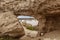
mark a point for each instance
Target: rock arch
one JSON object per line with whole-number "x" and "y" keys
{"x": 42, "y": 10}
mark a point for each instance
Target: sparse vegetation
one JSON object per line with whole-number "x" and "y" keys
{"x": 30, "y": 28}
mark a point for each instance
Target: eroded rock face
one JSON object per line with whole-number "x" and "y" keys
{"x": 21, "y": 6}
{"x": 31, "y": 6}
{"x": 49, "y": 7}
{"x": 9, "y": 25}
{"x": 39, "y": 9}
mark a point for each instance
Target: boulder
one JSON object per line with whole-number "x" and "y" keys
{"x": 30, "y": 33}
{"x": 9, "y": 25}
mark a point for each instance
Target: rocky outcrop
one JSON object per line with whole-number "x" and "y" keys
{"x": 23, "y": 7}
{"x": 40, "y": 9}
{"x": 9, "y": 25}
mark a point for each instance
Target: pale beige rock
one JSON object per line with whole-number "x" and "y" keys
{"x": 54, "y": 35}
{"x": 29, "y": 38}
{"x": 30, "y": 33}
{"x": 9, "y": 25}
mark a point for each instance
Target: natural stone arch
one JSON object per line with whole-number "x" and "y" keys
{"x": 40, "y": 18}
{"x": 39, "y": 9}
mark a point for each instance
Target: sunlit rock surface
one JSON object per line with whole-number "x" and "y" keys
{"x": 30, "y": 33}
{"x": 9, "y": 25}
{"x": 54, "y": 35}
{"x": 32, "y": 6}
{"x": 29, "y": 38}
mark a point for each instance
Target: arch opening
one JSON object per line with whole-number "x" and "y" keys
{"x": 29, "y": 22}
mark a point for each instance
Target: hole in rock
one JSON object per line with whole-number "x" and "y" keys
{"x": 28, "y": 21}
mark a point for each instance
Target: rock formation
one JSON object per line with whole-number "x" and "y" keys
{"x": 54, "y": 35}
{"x": 46, "y": 11}
{"x": 9, "y": 25}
